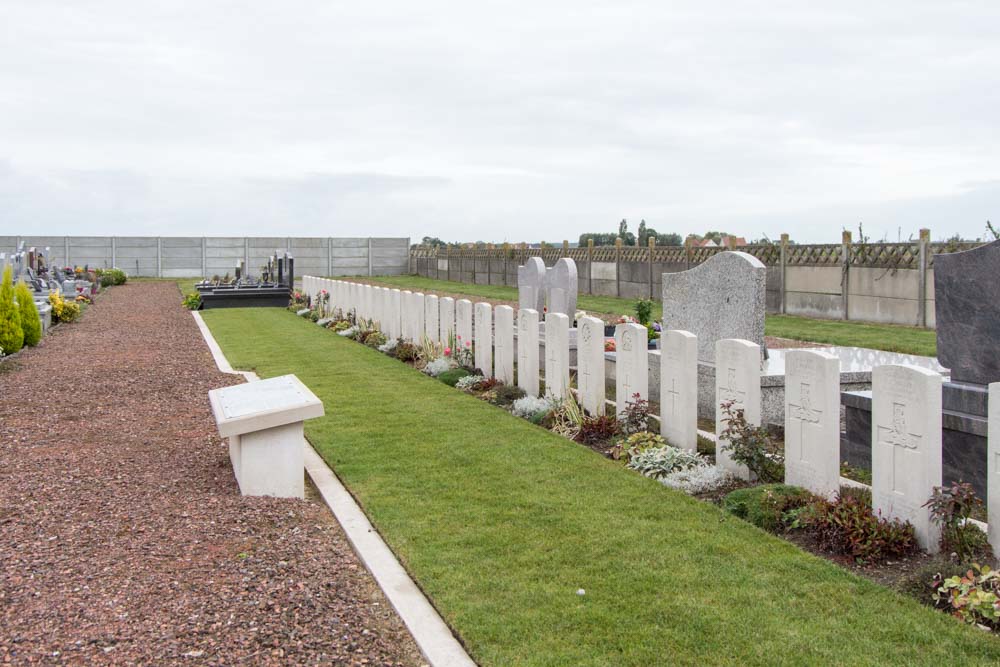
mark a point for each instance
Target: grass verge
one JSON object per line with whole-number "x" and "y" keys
{"x": 501, "y": 522}
{"x": 889, "y": 337}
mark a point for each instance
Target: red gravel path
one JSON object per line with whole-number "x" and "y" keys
{"x": 123, "y": 537}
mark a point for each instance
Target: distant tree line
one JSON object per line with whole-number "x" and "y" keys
{"x": 641, "y": 238}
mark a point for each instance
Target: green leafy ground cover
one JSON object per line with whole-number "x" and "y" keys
{"x": 501, "y": 522}
{"x": 893, "y": 338}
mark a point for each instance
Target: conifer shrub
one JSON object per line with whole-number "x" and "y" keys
{"x": 11, "y": 334}
{"x": 31, "y": 324}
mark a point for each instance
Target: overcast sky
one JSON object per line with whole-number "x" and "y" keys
{"x": 498, "y": 121}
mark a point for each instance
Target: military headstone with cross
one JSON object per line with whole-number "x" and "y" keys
{"x": 556, "y": 355}
{"x": 737, "y": 381}
{"x": 812, "y": 421}
{"x": 590, "y": 364}
{"x": 503, "y": 344}
{"x": 527, "y": 351}
{"x": 484, "y": 338}
{"x": 906, "y": 452}
{"x": 679, "y": 389}
{"x": 631, "y": 364}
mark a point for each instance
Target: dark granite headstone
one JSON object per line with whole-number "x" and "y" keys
{"x": 967, "y": 309}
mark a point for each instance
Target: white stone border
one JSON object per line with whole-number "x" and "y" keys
{"x": 433, "y": 636}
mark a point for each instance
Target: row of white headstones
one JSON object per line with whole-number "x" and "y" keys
{"x": 906, "y": 400}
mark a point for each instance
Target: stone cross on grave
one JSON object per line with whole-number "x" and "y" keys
{"x": 897, "y": 437}
{"x": 674, "y": 395}
{"x": 803, "y": 413}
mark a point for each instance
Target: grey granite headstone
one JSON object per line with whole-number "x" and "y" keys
{"x": 531, "y": 281}
{"x": 722, "y": 298}
{"x": 967, "y": 310}
{"x": 561, "y": 288}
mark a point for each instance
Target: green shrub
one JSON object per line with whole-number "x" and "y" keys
{"x": 636, "y": 443}
{"x": 508, "y": 393}
{"x": 11, "y": 333}
{"x": 375, "y": 339}
{"x": 770, "y": 506}
{"x": 111, "y": 277}
{"x": 922, "y": 583}
{"x": 597, "y": 428}
{"x": 31, "y": 324}
{"x": 751, "y": 445}
{"x": 973, "y": 596}
{"x": 951, "y": 508}
{"x": 406, "y": 351}
{"x": 658, "y": 462}
{"x": 849, "y": 526}
{"x": 192, "y": 301}
{"x": 452, "y": 377}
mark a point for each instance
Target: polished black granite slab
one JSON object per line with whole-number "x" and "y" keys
{"x": 245, "y": 297}
{"x": 967, "y": 313}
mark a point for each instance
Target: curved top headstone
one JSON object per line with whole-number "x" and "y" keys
{"x": 531, "y": 284}
{"x": 967, "y": 313}
{"x": 722, "y": 298}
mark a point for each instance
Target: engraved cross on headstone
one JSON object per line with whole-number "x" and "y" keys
{"x": 898, "y": 438}
{"x": 674, "y": 395}
{"x": 803, "y": 413}
{"x": 730, "y": 392}
{"x": 628, "y": 344}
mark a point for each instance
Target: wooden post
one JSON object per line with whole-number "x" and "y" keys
{"x": 924, "y": 259}
{"x": 590, "y": 266}
{"x": 651, "y": 244}
{"x": 784, "y": 265}
{"x": 618, "y": 267}
{"x": 845, "y": 264}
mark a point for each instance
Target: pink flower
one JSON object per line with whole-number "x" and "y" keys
{"x": 447, "y": 351}
{"x": 468, "y": 343}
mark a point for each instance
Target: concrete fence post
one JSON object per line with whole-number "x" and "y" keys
{"x": 784, "y": 266}
{"x": 618, "y": 267}
{"x": 924, "y": 259}
{"x": 688, "y": 243}
{"x": 590, "y": 266}
{"x": 159, "y": 257}
{"x": 845, "y": 269}
{"x": 65, "y": 248}
{"x": 246, "y": 252}
{"x": 204, "y": 257}
{"x": 650, "y": 245}
{"x": 506, "y": 259}
{"x": 409, "y": 258}
{"x": 114, "y": 251}
{"x": 489, "y": 264}
{"x": 472, "y": 251}
{"x": 329, "y": 256}
{"x": 565, "y": 248}
{"x": 448, "y": 275}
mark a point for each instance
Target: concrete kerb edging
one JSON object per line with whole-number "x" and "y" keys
{"x": 433, "y": 636}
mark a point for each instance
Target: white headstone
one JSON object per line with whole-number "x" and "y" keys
{"x": 531, "y": 284}
{"x": 463, "y": 324}
{"x": 812, "y": 421}
{"x": 395, "y": 328}
{"x": 556, "y": 355}
{"x": 527, "y": 351}
{"x": 484, "y": 338}
{"x": 431, "y": 314}
{"x": 503, "y": 344}
{"x": 418, "y": 317}
{"x": 993, "y": 467}
{"x": 406, "y": 314}
{"x": 446, "y": 319}
{"x": 590, "y": 364}
{"x": 737, "y": 379}
{"x": 631, "y": 364}
{"x": 906, "y": 446}
{"x": 679, "y": 389}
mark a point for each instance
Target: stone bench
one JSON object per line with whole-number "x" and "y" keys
{"x": 263, "y": 421}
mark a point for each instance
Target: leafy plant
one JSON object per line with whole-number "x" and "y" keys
{"x": 451, "y": 377}
{"x": 770, "y": 506}
{"x": 951, "y": 508}
{"x": 11, "y": 333}
{"x": 437, "y": 366}
{"x": 111, "y": 277}
{"x": 702, "y": 479}
{"x": 469, "y": 382}
{"x": 644, "y": 311}
{"x": 530, "y": 406}
{"x": 597, "y": 428}
{"x": 657, "y": 462}
{"x": 635, "y": 417}
{"x": 636, "y": 443}
{"x": 341, "y": 325}
{"x": 63, "y": 310}
{"x": 192, "y": 300}
{"x": 406, "y": 351}
{"x": 31, "y": 324}
{"x": 973, "y": 597}
{"x": 508, "y": 393}
{"x": 751, "y": 445}
{"x": 849, "y": 526}
{"x": 567, "y": 417}
{"x": 375, "y": 339}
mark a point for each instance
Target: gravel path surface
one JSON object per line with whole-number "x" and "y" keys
{"x": 123, "y": 537}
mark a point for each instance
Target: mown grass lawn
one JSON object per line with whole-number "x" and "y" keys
{"x": 501, "y": 522}
{"x": 893, "y": 338}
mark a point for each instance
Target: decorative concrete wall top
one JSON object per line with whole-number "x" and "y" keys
{"x": 722, "y": 298}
